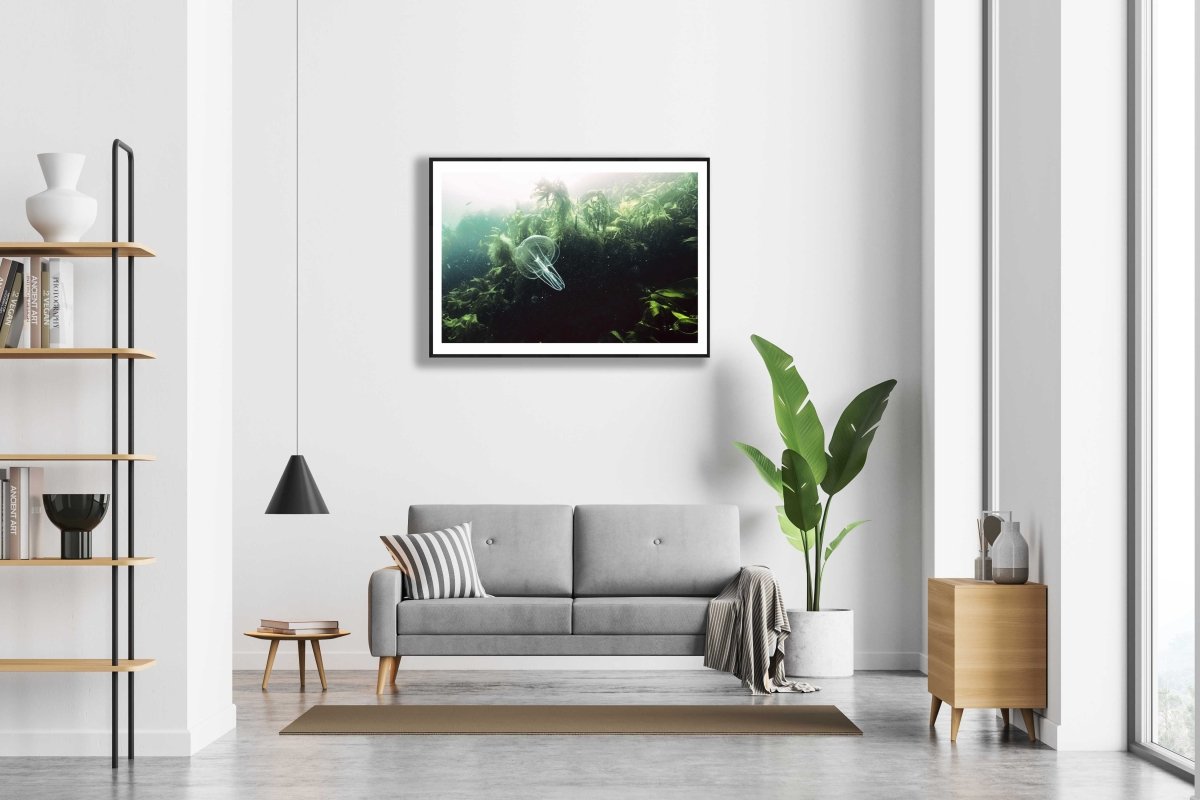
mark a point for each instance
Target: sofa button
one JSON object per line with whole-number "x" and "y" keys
{"x": 658, "y": 541}
{"x": 490, "y": 541}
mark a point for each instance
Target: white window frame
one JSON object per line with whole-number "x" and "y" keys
{"x": 1141, "y": 671}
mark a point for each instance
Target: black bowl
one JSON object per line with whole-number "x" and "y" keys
{"x": 75, "y": 512}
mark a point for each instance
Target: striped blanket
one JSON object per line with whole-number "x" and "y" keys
{"x": 747, "y": 626}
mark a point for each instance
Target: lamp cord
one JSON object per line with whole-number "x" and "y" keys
{"x": 297, "y": 227}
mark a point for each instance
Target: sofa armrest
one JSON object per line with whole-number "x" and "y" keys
{"x": 385, "y": 591}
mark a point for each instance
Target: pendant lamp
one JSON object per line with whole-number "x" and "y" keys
{"x": 297, "y": 491}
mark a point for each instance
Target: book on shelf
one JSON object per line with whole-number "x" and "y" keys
{"x": 6, "y": 270}
{"x": 62, "y": 303}
{"x": 37, "y": 303}
{"x": 23, "y": 512}
{"x": 292, "y": 626}
{"x": 45, "y": 302}
{"x": 10, "y": 304}
{"x": 4, "y": 489}
{"x": 31, "y": 321}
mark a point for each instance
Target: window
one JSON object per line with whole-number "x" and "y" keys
{"x": 1164, "y": 264}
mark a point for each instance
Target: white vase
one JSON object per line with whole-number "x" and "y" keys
{"x": 821, "y": 644}
{"x": 61, "y": 213}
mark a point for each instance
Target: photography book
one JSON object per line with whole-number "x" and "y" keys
{"x": 44, "y": 282}
{"x": 62, "y": 303}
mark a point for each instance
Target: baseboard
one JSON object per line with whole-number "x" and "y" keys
{"x": 255, "y": 660}
{"x": 213, "y": 728}
{"x": 150, "y": 743}
{"x": 887, "y": 661}
{"x": 1047, "y": 728}
{"x": 364, "y": 660}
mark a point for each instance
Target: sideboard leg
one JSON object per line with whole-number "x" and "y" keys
{"x": 1004, "y": 713}
{"x": 1027, "y": 715}
{"x": 935, "y": 705}
{"x": 955, "y": 719}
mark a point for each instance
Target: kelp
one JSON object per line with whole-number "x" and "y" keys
{"x": 627, "y": 260}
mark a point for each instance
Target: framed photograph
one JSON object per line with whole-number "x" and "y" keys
{"x": 568, "y": 257}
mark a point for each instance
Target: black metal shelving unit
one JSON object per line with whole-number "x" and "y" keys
{"x": 116, "y": 249}
{"x": 117, "y": 148}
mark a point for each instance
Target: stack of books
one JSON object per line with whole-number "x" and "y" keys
{"x": 303, "y": 628}
{"x": 37, "y": 302}
{"x": 21, "y": 514}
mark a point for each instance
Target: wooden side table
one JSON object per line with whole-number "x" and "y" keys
{"x": 299, "y": 639}
{"x": 987, "y": 648}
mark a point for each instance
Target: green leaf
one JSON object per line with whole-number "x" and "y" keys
{"x": 798, "y": 422}
{"x": 800, "y": 500}
{"x": 801, "y": 540}
{"x": 853, "y": 435}
{"x": 829, "y": 548}
{"x": 766, "y": 467}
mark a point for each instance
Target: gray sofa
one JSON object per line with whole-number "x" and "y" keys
{"x": 593, "y": 580}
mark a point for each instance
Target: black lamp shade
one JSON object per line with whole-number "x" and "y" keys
{"x": 297, "y": 492}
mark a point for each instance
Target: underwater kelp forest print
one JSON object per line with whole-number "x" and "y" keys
{"x": 569, "y": 257}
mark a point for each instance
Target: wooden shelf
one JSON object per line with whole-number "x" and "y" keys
{"x": 74, "y": 457}
{"x": 126, "y": 561}
{"x": 74, "y": 249}
{"x": 74, "y": 353}
{"x": 74, "y": 664}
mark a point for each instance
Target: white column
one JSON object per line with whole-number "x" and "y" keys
{"x": 952, "y": 268}
{"x": 1094, "y": 532}
{"x": 210, "y": 712}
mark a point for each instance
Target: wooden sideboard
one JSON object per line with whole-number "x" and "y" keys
{"x": 987, "y": 648}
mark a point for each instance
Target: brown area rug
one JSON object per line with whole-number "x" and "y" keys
{"x": 726, "y": 720}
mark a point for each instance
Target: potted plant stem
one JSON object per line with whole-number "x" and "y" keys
{"x": 822, "y": 640}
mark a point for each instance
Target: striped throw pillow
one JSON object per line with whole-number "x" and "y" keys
{"x": 437, "y": 565}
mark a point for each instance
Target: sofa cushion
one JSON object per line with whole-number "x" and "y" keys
{"x": 639, "y": 616}
{"x": 505, "y": 616}
{"x": 660, "y": 645}
{"x": 654, "y": 550}
{"x": 437, "y": 564}
{"x": 520, "y": 551}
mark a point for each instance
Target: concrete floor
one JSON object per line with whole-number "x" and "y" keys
{"x": 898, "y": 756}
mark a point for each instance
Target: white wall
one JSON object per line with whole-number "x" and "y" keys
{"x": 810, "y": 112}
{"x": 1028, "y": 393}
{"x": 1061, "y": 399}
{"x": 106, "y": 70}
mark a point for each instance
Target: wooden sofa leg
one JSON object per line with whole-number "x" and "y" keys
{"x": 387, "y": 671}
{"x": 395, "y": 669}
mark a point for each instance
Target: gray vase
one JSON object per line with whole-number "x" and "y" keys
{"x": 1010, "y": 555}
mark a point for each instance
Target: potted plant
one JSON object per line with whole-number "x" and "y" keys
{"x": 822, "y": 640}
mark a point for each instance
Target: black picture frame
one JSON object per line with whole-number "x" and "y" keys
{"x": 439, "y": 166}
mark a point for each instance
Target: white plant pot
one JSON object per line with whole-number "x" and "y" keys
{"x": 821, "y": 644}
{"x": 61, "y": 213}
